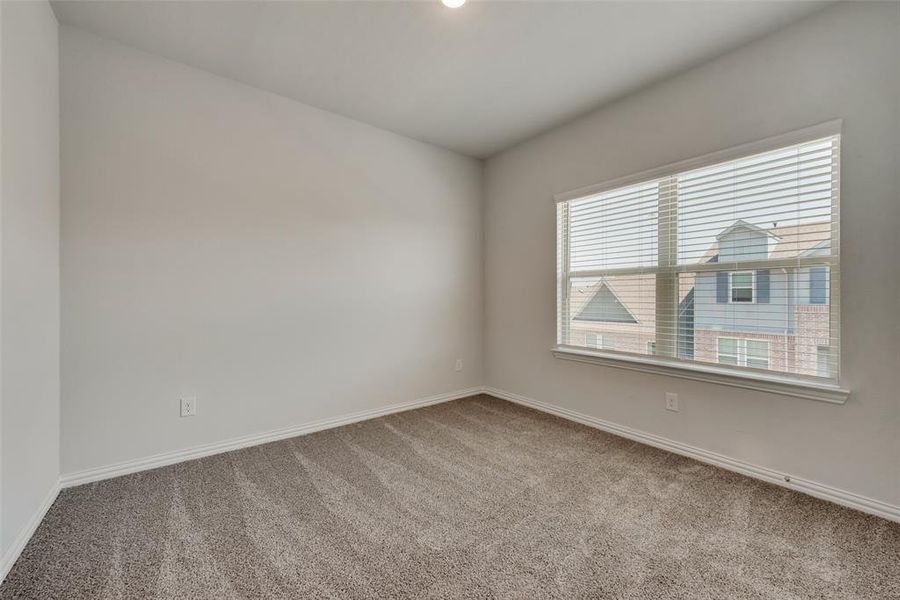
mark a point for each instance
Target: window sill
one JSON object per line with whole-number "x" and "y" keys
{"x": 750, "y": 381}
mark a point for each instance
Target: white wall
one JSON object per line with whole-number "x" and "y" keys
{"x": 840, "y": 63}
{"x": 282, "y": 263}
{"x": 29, "y": 212}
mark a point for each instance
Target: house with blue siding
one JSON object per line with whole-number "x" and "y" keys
{"x": 775, "y": 319}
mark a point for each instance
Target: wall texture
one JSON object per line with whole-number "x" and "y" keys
{"x": 840, "y": 63}
{"x": 282, "y": 263}
{"x": 29, "y": 213}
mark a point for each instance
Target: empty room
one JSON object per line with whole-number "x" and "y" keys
{"x": 450, "y": 299}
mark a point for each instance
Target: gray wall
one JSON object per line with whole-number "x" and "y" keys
{"x": 282, "y": 263}
{"x": 29, "y": 212}
{"x": 839, "y": 63}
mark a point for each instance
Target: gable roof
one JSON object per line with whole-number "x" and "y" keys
{"x": 742, "y": 224}
{"x": 791, "y": 241}
{"x": 796, "y": 240}
{"x": 605, "y": 306}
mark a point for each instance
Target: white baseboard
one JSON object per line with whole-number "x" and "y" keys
{"x": 177, "y": 456}
{"x": 812, "y": 488}
{"x": 12, "y": 554}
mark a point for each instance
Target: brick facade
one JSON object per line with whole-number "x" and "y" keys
{"x": 797, "y": 352}
{"x": 781, "y": 346}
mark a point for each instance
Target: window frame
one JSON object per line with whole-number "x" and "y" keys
{"x": 809, "y": 298}
{"x": 741, "y": 354}
{"x": 600, "y": 340}
{"x": 795, "y": 385}
{"x": 731, "y": 287}
{"x": 748, "y": 358}
{"x": 737, "y": 350}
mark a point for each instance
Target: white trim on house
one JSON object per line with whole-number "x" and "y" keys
{"x": 742, "y": 224}
{"x": 812, "y": 488}
{"x": 177, "y": 456}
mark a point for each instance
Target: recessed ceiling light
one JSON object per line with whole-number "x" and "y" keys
{"x": 453, "y": 3}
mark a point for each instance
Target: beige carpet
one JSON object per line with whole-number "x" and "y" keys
{"x": 476, "y": 498}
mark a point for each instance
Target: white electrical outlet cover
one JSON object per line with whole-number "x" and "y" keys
{"x": 188, "y": 406}
{"x": 671, "y": 401}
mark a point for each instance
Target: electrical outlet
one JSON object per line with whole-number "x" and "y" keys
{"x": 671, "y": 401}
{"x": 459, "y": 364}
{"x": 188, "y": 406}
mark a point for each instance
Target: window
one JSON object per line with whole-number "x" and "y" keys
{"x": 703, "y": 261}
{"x": 818, "y": 285}
{"x": 742, "y": 352}
{"x": 756, "y": 354}
{"x": 742, "y": 287}
{"x": 594, "y": 340}
{"x": 727, "y": 351}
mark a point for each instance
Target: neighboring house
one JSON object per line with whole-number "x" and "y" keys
{"x": 775, "y": 319}
{"x": 615, "y": 313}
{"x": 619, "y": 313}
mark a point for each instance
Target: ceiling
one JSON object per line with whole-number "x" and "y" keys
{"x": 477, "y": 79}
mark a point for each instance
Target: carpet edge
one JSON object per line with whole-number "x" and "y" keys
{"x": 15, "y": 550}
{"x": 815, "y": 489}
{"x": 194, "y": 452}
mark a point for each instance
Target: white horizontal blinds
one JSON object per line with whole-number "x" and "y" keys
{"x": 607, "y": 233}
{"x": 755, "y": 245}
{"x": 614, "y": 230}
{"x": 616, "y": 312}
{"x": 733, "y": 264}
{"x": 786, "y": 193}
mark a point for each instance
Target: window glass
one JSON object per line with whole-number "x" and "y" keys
{"x": 742, "y": 287}
{"x": 728, "y": 351}
{"x": 733, "y": 263}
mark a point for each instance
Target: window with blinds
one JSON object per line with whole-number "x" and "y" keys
{"x": 732, "y": 264}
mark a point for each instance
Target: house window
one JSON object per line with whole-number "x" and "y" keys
{"x": 727, "y": 351}
{"x": 741, "y": 352}
{"x": 709, "y": 256}
{"x": 595, "y": 340}
{"x": 756, "y": 354}
{"x": 818, "y": 285}
{"x": 742, "y": 287}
